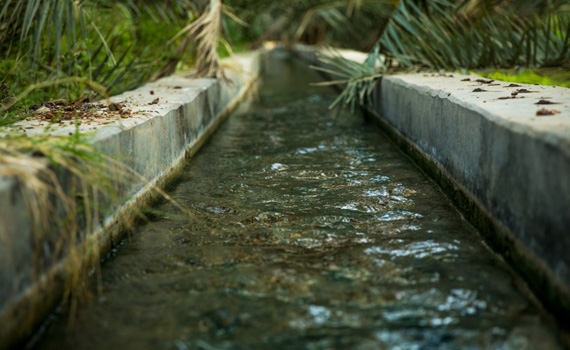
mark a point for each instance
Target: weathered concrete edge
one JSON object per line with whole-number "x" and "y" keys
{"x": 550, "y": 289}
{"x": 22, "y": 316}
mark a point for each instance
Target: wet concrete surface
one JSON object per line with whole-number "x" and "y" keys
{"x": 310, "y": 230}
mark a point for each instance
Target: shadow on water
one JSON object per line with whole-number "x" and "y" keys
{"x": 311, "y": 231}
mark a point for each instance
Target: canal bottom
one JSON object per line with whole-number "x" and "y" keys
{"x": 309, "y": 230}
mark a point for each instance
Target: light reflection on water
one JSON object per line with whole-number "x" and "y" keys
{"x": 310, "y": 231}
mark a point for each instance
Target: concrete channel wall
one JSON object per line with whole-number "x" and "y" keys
{"x": 171, "y": 119}
{"x": 505, "y": 166}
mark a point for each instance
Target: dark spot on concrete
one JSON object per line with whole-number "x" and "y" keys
{"x": 114, "y": 107}
{"x": 546, "y": 102}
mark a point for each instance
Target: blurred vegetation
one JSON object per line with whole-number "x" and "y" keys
{"x": 116, "y": 44}
{"x": 471, "y": 34}
{"x": 121, "y": 44}
{"x": 346, "y": 23}
{"x": 464, "y": 35}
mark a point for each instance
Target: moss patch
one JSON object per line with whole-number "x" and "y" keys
{"x": 544, "y": 76}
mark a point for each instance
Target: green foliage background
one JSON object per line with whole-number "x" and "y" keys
{"x": 116, "y": 44}
{"x": 120, "y": 44}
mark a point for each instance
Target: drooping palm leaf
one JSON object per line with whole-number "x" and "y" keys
{"x": 469, "y": 34}
{"x": 441, "y": 35}
{"x": 358, "y": 79}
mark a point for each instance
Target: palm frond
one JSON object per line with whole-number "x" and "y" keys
{"x": 330, "y": 13}
{"x": 441, "y": 35}
{"x": 207, "y": 33}
{"x": 358, "y": 79}
{"x": 467, "y": 34}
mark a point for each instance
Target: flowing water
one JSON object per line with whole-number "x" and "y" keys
{"x": 310, "y": 231}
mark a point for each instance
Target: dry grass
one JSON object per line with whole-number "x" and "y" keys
{"x": 69, "y": 189}
{"x": 204, "y": 33}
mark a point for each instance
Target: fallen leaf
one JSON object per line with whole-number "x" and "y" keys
{"x": 544, "y": 111}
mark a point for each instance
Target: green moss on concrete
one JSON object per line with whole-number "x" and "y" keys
{"x": 544, "y": 76}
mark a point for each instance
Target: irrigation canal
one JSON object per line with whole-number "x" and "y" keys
{"x": 310, "y": 231}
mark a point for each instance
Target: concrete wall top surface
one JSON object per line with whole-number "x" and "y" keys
{"x": 516, "y": 106}
{"x": 496, "y": 102}
{"x": 147, "y": 102}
